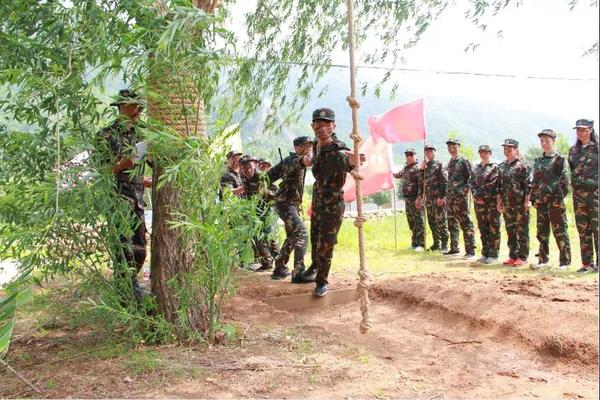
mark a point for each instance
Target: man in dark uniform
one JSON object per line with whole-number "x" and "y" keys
{"x": 231, "y": 178}
{"x": 485, "y": 189}
{"x": 288, "y": 202}
{"x": 411, "y": 181}
{"x": 457, "y": 198}
{"x": 514, "y": 185}
{"x": 331, "y": 163}
{"x": 117, "y": 146}
{"x": 583, "y": 162}
{"x": 434, "y": 190}
{"x": 550, "y": 186}
{"x": 264, "y": 166}
{"x": 256, "y": 186}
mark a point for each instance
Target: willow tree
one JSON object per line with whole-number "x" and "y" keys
{"x": 197, "y": 69}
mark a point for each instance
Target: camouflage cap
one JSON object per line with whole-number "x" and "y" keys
{"x": 246, "y": 159}
{"x": 547, "y": 132}
{"x": 453, "y": 141}
{"x": 485, "y": 147}
{"x": 300, "y": 140}
{"x": 127, "y": 96}
{"x": 430, "y": 147}
{"x": 410, "y": 151}
{"x": 233, "y": 153}
{"x": 326, "y": 114}
{"x": 511, "y": 143}
{"x": 584, "y": 123}
{"x": 264, "y": 161}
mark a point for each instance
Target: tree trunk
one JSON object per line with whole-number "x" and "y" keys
{"x": 172, "y": 257}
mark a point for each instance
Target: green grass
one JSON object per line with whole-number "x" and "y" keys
{"x": 387, "y": 252}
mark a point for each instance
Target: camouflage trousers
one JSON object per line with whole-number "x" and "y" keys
{"x": 324, "y": 228}
{"x": 488, "y": 222}
{"x": 459, "y": 218}
{"x": 553, "y": 214}
{"x": 296, "y": 236}
{"x": 516, "y": 222}
{"x": 262, "y": 243}
{"x": 436, "y": 217}
{"x": 585, "y": 204}
{"x": 414, "y": 217}
{"x": 129, "y": 256}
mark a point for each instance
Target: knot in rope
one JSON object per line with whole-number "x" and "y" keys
{"x": 355, "y": 136}
{"x": 359, "y": 221}
{"x": 352, "y": 102}
{"x": 356, "y": 175}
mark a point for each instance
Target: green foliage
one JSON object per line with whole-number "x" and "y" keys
{"x": 380, "y": 198}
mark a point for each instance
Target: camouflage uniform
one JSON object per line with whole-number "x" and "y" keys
{"x": 583, "y": 162}
{"x": 485, "y": 189}
{"x": 434, "y": 186}
{"x": 257, "y": 185}
{"x": 514, "y": 183}
{"x": 411, "y": 181}
{"x": 330, "y": 166}
{"x": 549, "y": 187}
{"x": 231, "y": 179}
{"x": 115, "y": 142}
{"x": 288, "y": 202}
{"x": 457, "y": 204}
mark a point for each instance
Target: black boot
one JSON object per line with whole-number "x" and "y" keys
{"x": 280, "y": 272}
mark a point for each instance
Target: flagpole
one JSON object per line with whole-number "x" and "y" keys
{"x": 424, "y": 200}
{"x": 394, "y": 205}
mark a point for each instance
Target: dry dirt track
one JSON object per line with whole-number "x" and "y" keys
{"x": 439, "y": 336}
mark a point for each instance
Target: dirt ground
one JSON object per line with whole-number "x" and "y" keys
{"x": 436, "y": 336}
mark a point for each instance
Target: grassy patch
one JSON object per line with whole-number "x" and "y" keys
{"x": 143, "y": 360}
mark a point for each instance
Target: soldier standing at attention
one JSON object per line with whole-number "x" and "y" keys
{"x": 331, "y": 163}
{"x": 583, "y": 161}
{"x": 434, "y": 189}
{"x": 255, "y": 185}
{"x": 550, "y": 186}
{"x": 514, "y": 184}
{"x": 288, "y": 205}
{"x": 117, "y": 146}
{"x": 411, "y": 181}
{"x": 457, "y": 201}
{"x": 231, "y": 178}
{"x": 485, "y": 189}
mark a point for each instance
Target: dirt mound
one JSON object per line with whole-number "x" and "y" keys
{"x": 558, "y": 320}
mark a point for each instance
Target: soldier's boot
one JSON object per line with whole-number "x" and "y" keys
{"x": 308, "y": 276}
{"x": 280, "y": 272}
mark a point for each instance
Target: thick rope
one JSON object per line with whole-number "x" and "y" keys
{"x": 363, "y": 273}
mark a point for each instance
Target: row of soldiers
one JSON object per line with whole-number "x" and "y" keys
{"x": 507, "y": 189}
{"x": 330, "y": 161}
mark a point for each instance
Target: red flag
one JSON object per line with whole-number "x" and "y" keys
{"x": 404, "y": 123}
{"x": 376, "y": 171}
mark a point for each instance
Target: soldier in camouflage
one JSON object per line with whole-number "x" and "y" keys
{"x": 331, "y": 163}
{"x": 288, "y": 205}
{"x": 583, "y": 162}
{"x": 256, "y": 185}
{"x": 549, "y": 187}
{"x": 411, "y": 181}
{"x": 434, "y": 192}
{"x": 514, "y": 185}
{"x": 264, "y": 166}
{"x": 231, "y": 178}
{"x": 117, "y": 147}
{"x": 457, "y": 201}
{"x": 484, "y": 186}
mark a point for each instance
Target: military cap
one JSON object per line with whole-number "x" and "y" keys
{"x": 326, "y": 114}
{"x": 453, "y": 141}
{"x": 264, "y": 161}
{"x": 429, "y": 147}
{"x": 584, "y": 123}
{"x": 246, "y": 159}
{"x": 511, "y": 143}
{"x": 233, "y": 153}
{"x": 410, "y": 151}
{"x": 485, "y": 147}
{"x": 547, "y": 132}
{"x": 300, "y": 140}
{"x": 127, "y": 96}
